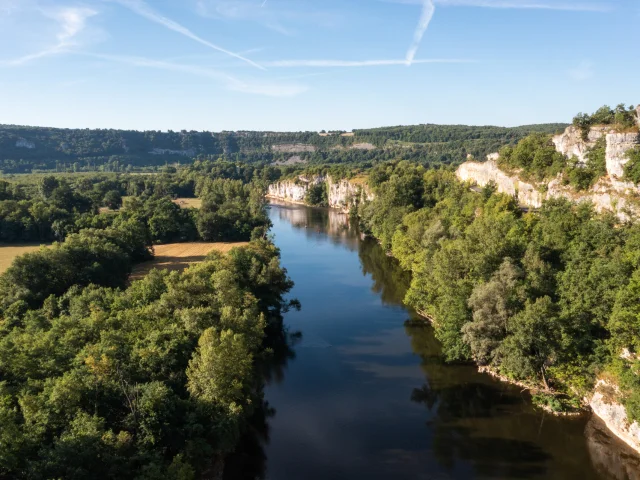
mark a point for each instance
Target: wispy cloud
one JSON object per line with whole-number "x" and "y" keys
{"x": 276, "y": 16}
{"x": 428, "y": 9}
{"x": 516, "y": 4}
{"x": 584, "y": 71}
{"x": 229, "y": 81}
{"x": 356, "y": 63}
{"x": 143, "y": 9}
{"x": 72, "y": 21}
{"x": 8, "y": 6}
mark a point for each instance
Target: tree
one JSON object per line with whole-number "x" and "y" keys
{"x": 532, "y": 343}
{"x": 493, "y": 304}
{"x": 47, "y": 185}
{"x": 113, "y": 200}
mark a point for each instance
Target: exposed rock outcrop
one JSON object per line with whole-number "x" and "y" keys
{"x": 613, "y": 458}
{"x": 342, "y": 194}
{"x": 571, "y": 143}
{"x": 618, "y": 144}
{"x": 610, "y": 193}
{"x": 293, "y": 148}
{"x": 614, "y": 415}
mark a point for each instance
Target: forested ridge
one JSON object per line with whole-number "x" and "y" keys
{"x": 26, "y": 149}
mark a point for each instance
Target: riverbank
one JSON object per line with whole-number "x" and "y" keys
{"x": 368, "y": 393}
{"x": 613, "y": 414}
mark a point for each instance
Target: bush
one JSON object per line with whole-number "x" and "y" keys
{"x": 632, "y": 168}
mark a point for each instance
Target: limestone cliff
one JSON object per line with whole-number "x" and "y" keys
{"x": 571, "y": 143}
{"x": 614, "y": 415}
{"x": 610, "y": 193}
{"x": 342, "y": 194}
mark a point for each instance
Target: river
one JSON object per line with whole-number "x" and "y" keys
{"x": 365, "y": 393}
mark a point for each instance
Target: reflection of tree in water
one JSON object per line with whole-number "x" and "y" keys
{"x": 466, "y": 415}
{"x": 389, "y": 280}
{"x": 249, "y": 460}
{"x": 320, "y": 224}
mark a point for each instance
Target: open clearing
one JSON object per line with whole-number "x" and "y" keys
{"x": 9, "y": 252}
{"x": 178, "y": 256}
{"x": 188, "y": 202}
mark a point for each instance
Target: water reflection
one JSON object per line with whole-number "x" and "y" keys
{"x": 367, "y": 395}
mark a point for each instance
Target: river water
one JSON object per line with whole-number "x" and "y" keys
{"x": 366, "y": 395}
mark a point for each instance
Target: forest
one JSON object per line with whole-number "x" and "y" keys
{"x": 548, "y": 298}
{"x": 30, "y": 149}
{"x": 153, "y": 379}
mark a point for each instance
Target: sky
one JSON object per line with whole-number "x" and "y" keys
{"x": 293, "y": 65}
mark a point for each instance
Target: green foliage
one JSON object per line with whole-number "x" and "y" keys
{"x": 535, "y": 157}
{"x": 621, "y": 118}
{"x": 231, "y": 211}
{"x": 582, "y": 177}
{"x": 632, "y": 167}
{"x": 548, "y": 297}
{"x": 317, "y": 195}
{"x": 113, "y": 200}
{"x": 69, "y": 150}
{"x": 154, "y": 381}
{"x": 557, "y": 403}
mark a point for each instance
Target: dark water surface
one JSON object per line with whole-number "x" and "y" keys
{"x": 367, "y": 396}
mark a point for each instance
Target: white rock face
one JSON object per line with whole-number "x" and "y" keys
{"x": 614, "y": 414}
{"x": 341, "y": 194}
{"x": 293, "y": 148}
{"x": 571, "y": 144}
{"x": 618, "y": 144}
{"x": 487, "y": 172}
{"x": 610, "y": 193}
{"x": 291, "y": 191}
{"x": 23, "y": 143}
{"x": 638, "y": 115}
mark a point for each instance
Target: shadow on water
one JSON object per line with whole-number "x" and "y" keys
{"x": 380, "y": 402}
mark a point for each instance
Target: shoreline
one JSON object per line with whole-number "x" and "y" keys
{"x": 585, "y": 410}
{"x": 294, "y": 202}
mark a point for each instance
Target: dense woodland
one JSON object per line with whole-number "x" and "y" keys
{"x": 547, "y": 297}
{"x": 28, "y": 149}
{"x": 155, "y": 379}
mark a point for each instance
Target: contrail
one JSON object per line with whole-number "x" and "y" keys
{"x": 357, "y": 63}
{"x": 264, "y": 3}
{"x": 428, "y": 10}
{"x": 144, "y": 10}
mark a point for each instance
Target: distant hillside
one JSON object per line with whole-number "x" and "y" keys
{"x": 24, "y": 149}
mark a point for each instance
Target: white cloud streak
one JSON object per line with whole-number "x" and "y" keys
{"x": 72, "y": 21}
{"x": 355, "y": 63}
{"x": 428, "y": 9}
{"x": 515, "y": 4}
{"x": 144, "y": 10}
{"x": 229, "y": 81}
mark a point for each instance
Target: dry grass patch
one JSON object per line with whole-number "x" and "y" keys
{"x": 9, "y": 252}
{"x": 188, "y": 202}
{"x": 178, "y": 256}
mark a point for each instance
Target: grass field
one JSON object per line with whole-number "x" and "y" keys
{"x": 188, "y": 202}
{"x": 9, "y": 252}
{"x": 178, "y": 256}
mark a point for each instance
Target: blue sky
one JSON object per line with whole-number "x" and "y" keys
{"x": 313, "y": 64}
